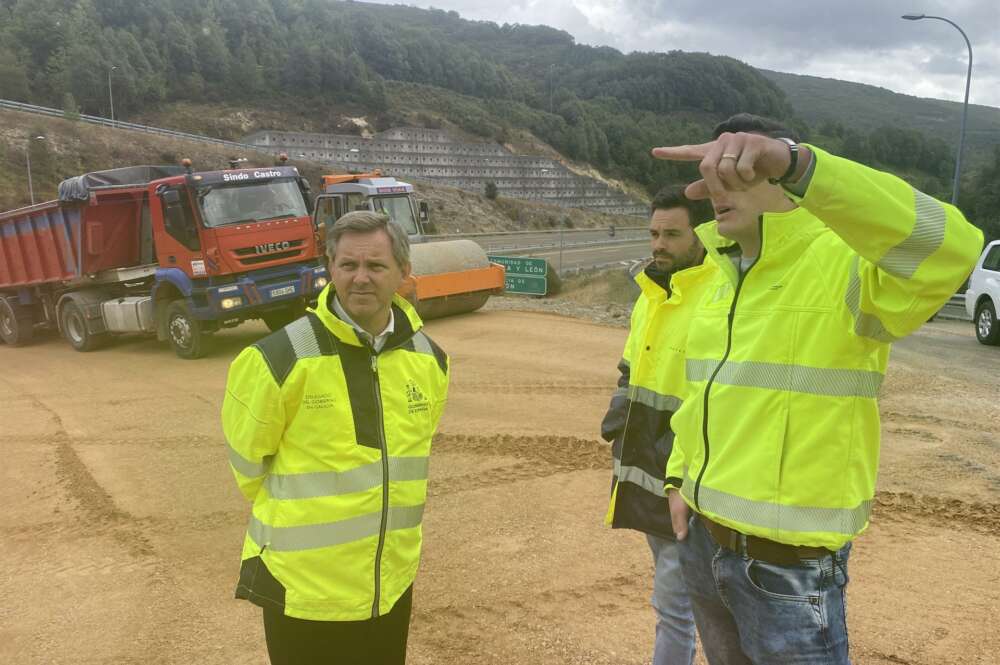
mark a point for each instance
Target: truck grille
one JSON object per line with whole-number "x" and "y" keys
{"x": 258, "y": 254}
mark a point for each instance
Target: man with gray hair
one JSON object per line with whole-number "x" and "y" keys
{"x": 329, "y": 423}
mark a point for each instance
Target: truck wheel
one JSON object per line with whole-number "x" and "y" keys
{"x": 17, "y": 326}
{"x": 987, "y": 328}
{"x": 184, "y": 331}
{"x": 74, "y": 327}
{"x": 279, "y": 318}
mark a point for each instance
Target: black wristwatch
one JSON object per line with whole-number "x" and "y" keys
{"x": 793, "y": 153}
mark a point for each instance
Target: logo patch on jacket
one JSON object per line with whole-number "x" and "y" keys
{"x": 317, "y": 401}
{"x": 416, "y": 401}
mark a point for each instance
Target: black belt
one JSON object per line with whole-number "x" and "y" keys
{"x": 763, "y": 549}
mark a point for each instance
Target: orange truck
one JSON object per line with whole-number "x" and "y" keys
{"x": 161, "y": 250}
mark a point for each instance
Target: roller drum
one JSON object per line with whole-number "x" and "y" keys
{"x": 434, "y": 258}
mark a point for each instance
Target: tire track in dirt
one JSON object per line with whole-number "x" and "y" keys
{"x": 971, "y": 467}
{"x": 99, "y": 515}
{"x": 540, "y": 457}
{"x": 901, "y": 506}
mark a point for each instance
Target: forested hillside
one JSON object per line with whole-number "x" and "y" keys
{"x": 401, "y": 65}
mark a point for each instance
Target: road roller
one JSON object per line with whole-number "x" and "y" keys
{"x": 448, "y": 276}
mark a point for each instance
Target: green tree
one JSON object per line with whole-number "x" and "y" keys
{"x": 71, "y": 111}
{"x": 13, "y": 78}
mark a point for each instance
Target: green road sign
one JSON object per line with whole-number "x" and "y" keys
{"x": 528, "y": 284}
{"x": 524, "y": 275}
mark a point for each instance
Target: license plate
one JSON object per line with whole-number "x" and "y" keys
{"x": 283, "y": 291}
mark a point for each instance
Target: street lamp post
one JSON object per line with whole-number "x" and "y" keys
{"x": 965, "y": 106}
{"x": 111, "y": 98}
{"x": 27, "y": 157}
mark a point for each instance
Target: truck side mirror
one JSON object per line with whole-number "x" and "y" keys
{"x": 425, "y": 218}
{"x": 170, "y": 197}
{"x": 306, "y": 193}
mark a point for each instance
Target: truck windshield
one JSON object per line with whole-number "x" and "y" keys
{"x": 234, "y": 204}
{"x": 399, "y": 210}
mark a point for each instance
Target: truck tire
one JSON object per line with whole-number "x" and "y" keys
{"x": 17, "y": 326}
{"x": 185, "y": 332}
{"x": 279, "y": 318}
{"x": 987, "y": 327}
{"x": 74, "y": 328}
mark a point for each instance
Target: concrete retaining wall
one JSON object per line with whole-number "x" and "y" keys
{"x": 432, "y": 155}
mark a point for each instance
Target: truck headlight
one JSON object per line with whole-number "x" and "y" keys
{"x": 230, "y": 303}
{"x": 321, "y": 282}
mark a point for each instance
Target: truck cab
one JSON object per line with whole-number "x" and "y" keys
{"x": 371, "y": 191}
{"x": 237, "y": 244}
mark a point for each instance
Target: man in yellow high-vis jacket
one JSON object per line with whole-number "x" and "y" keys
{"x": 650, "y": 389}
{"x": 823, "y": 263}
{"x": 329, "y": 423}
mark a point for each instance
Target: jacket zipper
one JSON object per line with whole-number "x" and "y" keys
{"x": 385, "y": 487}
{"x": 725, "y": 357}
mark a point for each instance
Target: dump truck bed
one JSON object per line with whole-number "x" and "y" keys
{"x": 60, "y": 241}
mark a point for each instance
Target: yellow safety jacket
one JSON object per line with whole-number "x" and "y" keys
{"x": 330, "y": 441}
{"x": 779, "y": 434}
{"x": 650, "y": 389}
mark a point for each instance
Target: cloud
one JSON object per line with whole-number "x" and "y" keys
{"x": 854, "y": 40}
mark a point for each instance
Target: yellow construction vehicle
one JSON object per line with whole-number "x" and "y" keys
{"x": 448, "y": 277}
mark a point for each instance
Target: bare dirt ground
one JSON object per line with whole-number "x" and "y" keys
{"x": 123, "y": 525}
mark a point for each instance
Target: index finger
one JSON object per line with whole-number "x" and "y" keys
{"x": 682, "y": 153}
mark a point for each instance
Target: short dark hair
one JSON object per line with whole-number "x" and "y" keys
{"x": 673, "y": 197}
{"x": 755, "y": 124}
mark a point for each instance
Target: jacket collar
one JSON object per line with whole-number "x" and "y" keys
{"x": 407, "y": 322}
{"x": 777, "y": 230}
{"x": 678, "y": 282}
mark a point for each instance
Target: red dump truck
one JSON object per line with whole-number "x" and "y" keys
{"x": 160, "y": 250}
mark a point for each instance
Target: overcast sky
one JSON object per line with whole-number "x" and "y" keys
{"x": 854, "y": 40}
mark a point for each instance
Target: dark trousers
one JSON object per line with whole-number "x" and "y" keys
{"x": 378, "y": 641}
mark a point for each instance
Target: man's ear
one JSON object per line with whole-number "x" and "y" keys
{"x": 406, "y": 267}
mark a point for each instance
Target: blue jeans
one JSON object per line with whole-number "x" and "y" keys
{"x": 754, "y": 613}
{"x": 674, "y": 620}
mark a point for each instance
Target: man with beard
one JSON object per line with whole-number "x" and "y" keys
{"x": 649, "y": 391}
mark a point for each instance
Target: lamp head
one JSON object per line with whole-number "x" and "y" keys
{"x": 913, "y": 17}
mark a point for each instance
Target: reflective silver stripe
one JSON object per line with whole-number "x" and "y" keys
{"x": 636, "y": 476}
{"x": 421, "y": 344}
{"x": 926, "y": 237}
{"x": 245, "y": 466}
{"x": 334, "y": 483}
{"x": 865, "y": 324}
{"x": 847, "y": 521}
{"x": 303, "y": 338}
{"x": 653, "y": 399}
{"x": 621, "y": 391}
{"x": 314, "y": 536}
{"x": 797, "y": 378}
